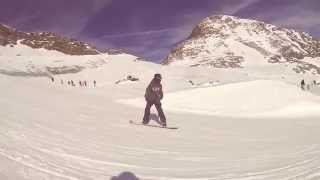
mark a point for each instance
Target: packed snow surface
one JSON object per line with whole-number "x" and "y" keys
{"x": 22, "y": 59}
{"x": 250, "y": 99}
{"x": 50, "y": 130}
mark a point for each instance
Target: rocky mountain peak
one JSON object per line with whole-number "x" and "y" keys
{"x": 230, "y": 42}
{"x": 214, "y": 25}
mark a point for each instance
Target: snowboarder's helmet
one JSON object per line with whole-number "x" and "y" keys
{"x": 157, "y": 76}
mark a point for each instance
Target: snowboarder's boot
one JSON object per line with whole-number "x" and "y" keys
{"x": 163, "y": 124}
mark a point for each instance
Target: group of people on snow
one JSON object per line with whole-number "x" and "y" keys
{"x": 304, "y": 86}
{"x": 83, "y": 83}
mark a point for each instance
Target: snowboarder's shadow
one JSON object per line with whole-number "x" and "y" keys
{"x": 125, "y": 176}
{"x": 155, "y": 117}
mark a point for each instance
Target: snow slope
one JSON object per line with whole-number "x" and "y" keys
{"x": 54, "y": 131}
{"x": 26, "y": 61}
{"x": 245, "y": 99}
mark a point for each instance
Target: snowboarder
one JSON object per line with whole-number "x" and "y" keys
{"x": 302, "y": 83}
{"x": 153, "y": 96}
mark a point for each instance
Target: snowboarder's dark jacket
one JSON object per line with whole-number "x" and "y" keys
{"x": 154, "y": 91}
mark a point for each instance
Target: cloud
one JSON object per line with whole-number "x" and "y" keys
{"x": 299, "y": 15}
{"x": 97, "y": 5}
{"x": 303, "y": 20}
{"x": 237, "y": 6}
{"x": 155, "y": 44}
{"x": 67, "y": 17}
{"x": 141, "y": 33}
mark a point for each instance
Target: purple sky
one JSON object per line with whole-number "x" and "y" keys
{"x": 149, "y": 28}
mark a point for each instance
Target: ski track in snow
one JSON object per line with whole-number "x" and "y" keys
{"x": 49, "y": 131}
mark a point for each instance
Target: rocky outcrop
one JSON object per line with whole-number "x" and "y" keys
{"x": 46, "y": 40}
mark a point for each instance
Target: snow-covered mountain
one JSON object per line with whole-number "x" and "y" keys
{"x": 46, "y": 40}
{"x": 230, "y": 42}
{"x": 45, "y": 53}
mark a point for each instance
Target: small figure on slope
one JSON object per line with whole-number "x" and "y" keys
{"x": 302, "y": 84}
{"x": 153, "y": 96}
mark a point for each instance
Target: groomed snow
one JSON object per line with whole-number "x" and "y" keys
{"x": 247, "y": 99}
{"x": 52, "y": 131}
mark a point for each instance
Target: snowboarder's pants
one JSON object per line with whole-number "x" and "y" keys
{"x": 146, "y": 117}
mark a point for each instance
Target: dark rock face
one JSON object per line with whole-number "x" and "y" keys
{"x": 8, "y": 36}
{"x": 64, "y": 69}
{"x": 112, "y": 51}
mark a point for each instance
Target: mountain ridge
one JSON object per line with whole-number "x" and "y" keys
{"x": 52, "y": 41}
{"x": 223, "y": 41}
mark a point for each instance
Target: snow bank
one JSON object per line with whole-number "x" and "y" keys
{"x": 23, "y": 60}
{"x": 245, "y": 99}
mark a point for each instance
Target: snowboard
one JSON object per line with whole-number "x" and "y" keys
{"x": 149, "y": 125}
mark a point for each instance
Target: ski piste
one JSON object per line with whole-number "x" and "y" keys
{"x": 150, "y": 125}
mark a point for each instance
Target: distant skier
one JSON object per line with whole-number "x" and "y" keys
{"x": 302, "y": 84}
{"x": 94, "y": 83}
{"x": 52, "y": 79}
{"x": 191, "y": 82}
{"x": 131, "y": 78}
{"x": 153, "y": 96}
